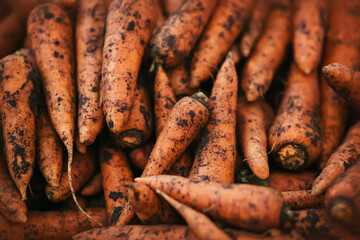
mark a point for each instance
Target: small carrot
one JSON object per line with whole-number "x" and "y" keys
{"x": 227, "y": 202}
{"x": 170, "y": 6}
{"x": 269, "y": 52}
{"x": 291, "y": 181}
{"x": 81, "y": 147}
{"x": 253, "y": 121}
{"x": 11, "y": 32}
{"x": 216, "y": 155}
{"x": 344, "y": 156}
{"x": 129, "y": 25}
{"x": 94, "y": 186}
{"x": 179, "y": 79}
{"x": 139, "y": 155}
{"x": 302, "y": 199}
{"x": 235, "y": 52}
{"x": 171, "y": 43}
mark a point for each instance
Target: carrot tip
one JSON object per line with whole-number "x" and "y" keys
{"x": 22, "y": 218}
{"x": 261, "y": 172}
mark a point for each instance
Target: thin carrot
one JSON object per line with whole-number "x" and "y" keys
{"x": 344, "y": 156}
{"x": 253, "y": 121}
{"x": 139, "y": 155}
{"x": 302, "y": 199}
{"x": 129, "y": 25}
{"x": 216, "y": 155}
{"x": 94, "y": 186}
{"x": 179, "y": 79}
{"x": 291, "y": 181}
{"x": 11, "y": 32}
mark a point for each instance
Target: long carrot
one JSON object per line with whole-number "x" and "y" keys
{"x": 179, "y": 77}
{"x": 302, "y": 199}
{"x": 253, "y": 121}
{"x": 94, "y": 186}
{"x": 11, "y": 32}
{"x": 216, "y": 155}
{"x": 291, "y": 181}
{"x": 227, "y": 202}
{"x": 139, "y": 155}
{"x": 269, "y": 52}
{"x": 129, "y": 25}
{"x": 344, "y": 156}
{"x": 225, "y": 25}
{"x": 171, "y": 43}
{"x": 295, "y": 133}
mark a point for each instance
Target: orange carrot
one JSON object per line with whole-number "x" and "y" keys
{"x": 344, "y": 156}
{"x": 179, "y": 79}
{"x": 183, "y": 165}
{"x": 302, "y": 199}
{"x": 160, "y": 15}
{"x": 269, "y": 52}
{"x": 139, "y": 155}
{"x": 129, "y": 25}
{"x": 94, "y": 186}
{"x": 235, "y": 52}
{"x": 81, "y": 147}
{"x": 291, "y": 181}
{"x": 253, "y": 121}
{"x": 170, "y": 6}
{"x": 216, "y": 155}
{"x": 11, "y": 32}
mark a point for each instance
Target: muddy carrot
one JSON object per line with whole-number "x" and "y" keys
{"x": 224, "y": 201}
{"x": 344, "y": 81}
{"x": 255, "y": 27}
{"x": 94, "y": 186}
{"x": 11, "y": 33}
{"x": 295, "y": 133}
{"x": 171, "y": 43}
{"x": 310, "y": 19}
{"x": 344, "y": 156}
{"x": 183, "y": 165}
{"x": 216, "y": 154}
{"x": 129, "y": 25}
{"x": 269, "y": 52}
{"x": 89, "y": 39}
{"x": 302, "y": 199}
{"x": 291, "y": 181}
{"x": 224, "y": 26}
{"x": 81, "y": 147}
{"x": 54, "y": 225}
{"x": 170, "y": 6}
{"x": 179, "y": 79}
{"x": 253, "y": 121}
{"x": 342, "y": 199}
{"x": 19, "y": 99}
{"x": 139, "y": 155}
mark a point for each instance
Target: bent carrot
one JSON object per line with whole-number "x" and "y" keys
{"x": 291, "y": 181}
{"x": 139, "y": 155}
{"x": 11, "y": 32}
{"x": 216, "y": 154}
{"x": 129, "y": 25}
{"x": 253, "y": 121}
{"x": 344, "y": 156}
{"x": 94, "y": 186}
{"x": 179, "y": 79}
{"x": 302, "y": 199}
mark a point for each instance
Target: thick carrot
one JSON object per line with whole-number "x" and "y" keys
{"x": 342, "y": 199}
{"x": 19, "y": 99}
{"x": 185, "y": 121}
{"x": 253, "y": 121}
{"x": 342, "y": 41}
{"x": 255, "y": 27}
{"x": 309, "y": 21}
{"x": 11, "y": 33}
{"x": 89, "y": 39}
{"x": 139, "y": 155}
{"x": 291, "y": 181}
{"x": 56, "y": 225}
{"x": 225, "y": 25}
{"x": 216, "y": 154}
{"x": 170, "y": 6}
{"x": 295, "y": 133}
{"x": 344, "y": 80}
{"x": 171, "y": 43}
{"x": 344, "y": 156}
{"x": 269, "y": 52}
{"x": 129, "y": 25}
{"x": 227, "y": 202}
{"x": 179, "y": 79}
{"x": 94, "y": 186}
{"x": 117, "y": 174}
{"x": 302, "y": 199}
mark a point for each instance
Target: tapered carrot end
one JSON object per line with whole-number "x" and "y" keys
{"x": 252, "y": 95}
{"x": 54, "y": 183}
{"x": 305, "y": 65}
{"x": 245, "y": 50}
{"x": 22, "y": 190}
{"x": 126, "y": 215}
{"x": 21, "y": 216}
{"x": 316, "y": 189}
{"x": 333, "y": 71}
{"x": 261, "y": 172}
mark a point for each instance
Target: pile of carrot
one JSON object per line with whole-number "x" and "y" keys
{"x": 179, "y": 119}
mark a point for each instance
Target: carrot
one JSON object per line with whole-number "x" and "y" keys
{"x": 160, "y": 15}
{"x": 183, "y": 165}
{"x": 344, "y": 156}
{"x": 129, "y": 25}
{"x": 291, "y": 181}
{"x": 81, "y": 147}
{"x": 19, "y": 99}
{"x": 216, "y": 154}
{"x": 342, "y": 199}
{"x": 199, "y": 223}
{"x": 185, "y": 121}
{"x": 268, "y": 53}
{"x": 94, "y": 186}
{"x": 11, "y": 33}
{"x": 54, "y": 225}
{"x": 89, "y": 39}
{"x": 171, "y": 43}
{"x": 170, "y": 6}
{"x": 139, "y": 155}
{"x": 149, "y": 208}
{"x": 253, "y": 121}
{"x": 342, "y": 41}
{"x": 256, "y": 25}
{"x": 127, "y": 215}
{"x": 179, "y": 79}
{"x": 295, "y": 133}
{"x": 225, "y": 25}
{"x": 235, "y": 52}
{"x": 302, "y": 199}
{"x": 310, "y": 19}
{"x": 83, "y": 168}
{"x": 344, "y": 80}
{"x": 226, "y": 202}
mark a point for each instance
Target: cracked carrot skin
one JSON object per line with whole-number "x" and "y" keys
{"x": 309, "y": 22}
{"x": 269, "y": 52}
{"x": 295, "y": 132}
{"x": 291, "y": 181}
{"x": 171, "y": 43}
{"x": 129, "y": 25}
{"x": 139, "y": 155}
{"x": 179, "y": 79}
{"x": 19, "y": 100}
{"x": 216, "y": 155}
{"x": 344, "y": 156}
{"x": 11, "y": 32}
{"x": 94, "y": 186}
{"x": 90, "y": 26}
{"x": 225, "y": 25}
{"x": 253, "y": 122}
{"x": 303, "y": 199}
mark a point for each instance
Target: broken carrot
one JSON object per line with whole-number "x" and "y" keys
{"x": 303, "y": 199}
